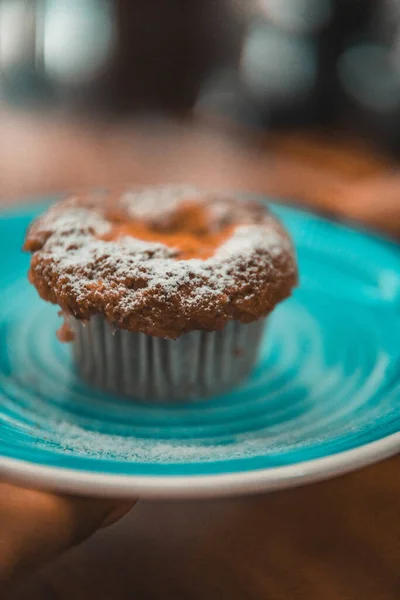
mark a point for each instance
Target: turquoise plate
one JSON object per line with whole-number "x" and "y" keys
{"x": 323, "y": 399}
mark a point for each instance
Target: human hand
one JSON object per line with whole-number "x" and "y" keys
{"x": 35, "y": 526}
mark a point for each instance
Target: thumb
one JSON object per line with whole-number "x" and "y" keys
{"x": 35, "y": 526}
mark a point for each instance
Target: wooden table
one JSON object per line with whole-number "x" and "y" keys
{"x": 338, "y": 540}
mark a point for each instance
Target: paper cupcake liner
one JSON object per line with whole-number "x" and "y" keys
{"x": 196, "y": 365}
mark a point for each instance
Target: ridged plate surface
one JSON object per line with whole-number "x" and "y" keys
{"x": 323, "y": 399}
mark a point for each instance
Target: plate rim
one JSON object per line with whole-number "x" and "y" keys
{"x": 61, "y": 479}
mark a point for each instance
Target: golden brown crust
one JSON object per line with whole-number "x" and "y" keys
{"x": 144, "y": 286}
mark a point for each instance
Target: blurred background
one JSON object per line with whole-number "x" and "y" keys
{"x": 295, "y": 98}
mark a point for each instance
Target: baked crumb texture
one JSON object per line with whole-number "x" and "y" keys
{"x": 162, "y": 261}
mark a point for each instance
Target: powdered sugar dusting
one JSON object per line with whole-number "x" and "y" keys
{"x": 128, "y": 276}
{"x": 130, "y": 259}
{"x": 146, "y": 204}
{"x": 248, "y": 239}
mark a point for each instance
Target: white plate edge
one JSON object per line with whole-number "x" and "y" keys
{"x": 196, "y": 486}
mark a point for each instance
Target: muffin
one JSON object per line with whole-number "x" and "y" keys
{"x": 164, "y": 291}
